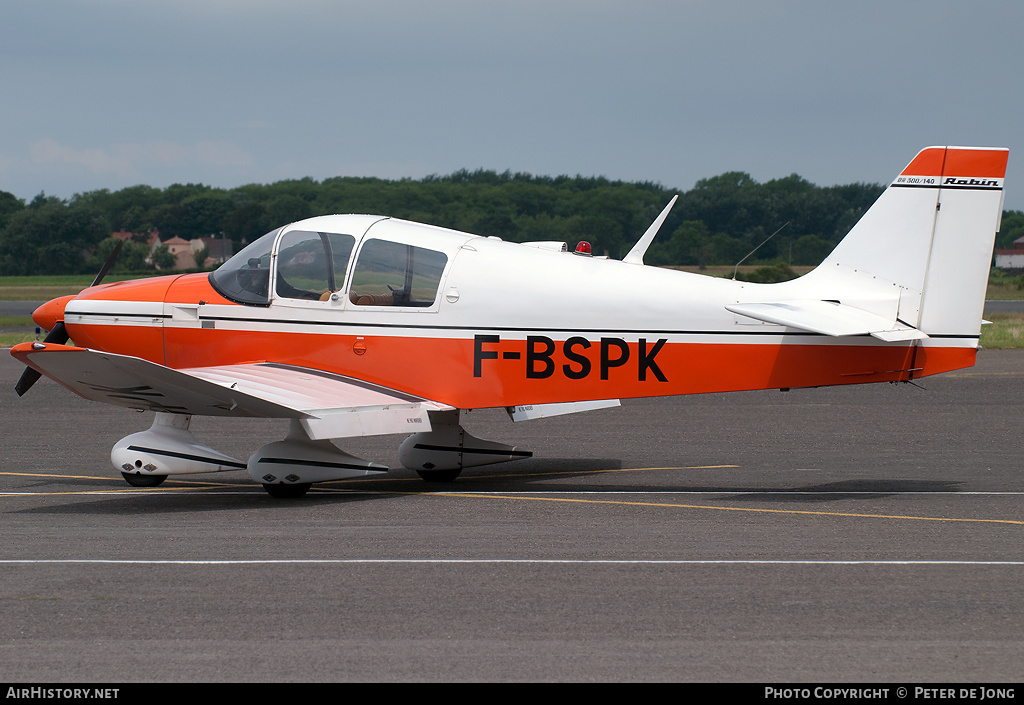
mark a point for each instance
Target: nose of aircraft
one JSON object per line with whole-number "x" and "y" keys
{"x": 49, "y": 314}
{"x": 51, "y": 317}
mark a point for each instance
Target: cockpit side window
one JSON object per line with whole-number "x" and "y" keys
{"x": 395, "y": 274}
{"x": 312, "y": 265}
{"x": 245, "y": 278}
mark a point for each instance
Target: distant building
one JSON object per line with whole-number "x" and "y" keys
{"x": 184, "y": 257}
{"x": 152, "y": 238}
{"x": 1011, "y": 259}
{"x": 218, "y": 249}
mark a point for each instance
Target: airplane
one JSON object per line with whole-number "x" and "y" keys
{"x": 357, "y": 325}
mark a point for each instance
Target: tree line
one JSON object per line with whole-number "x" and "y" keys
{"x": 717, "y": 222}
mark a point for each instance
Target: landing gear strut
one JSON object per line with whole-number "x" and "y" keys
{"x": 439, "y": 455}
{"x": 288, "y": 468}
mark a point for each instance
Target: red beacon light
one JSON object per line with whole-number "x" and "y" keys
{"x": 582, "y": 248}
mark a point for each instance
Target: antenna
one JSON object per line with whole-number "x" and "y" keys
{"x": 737, "y": 267}
{"x": 636, "y": 255}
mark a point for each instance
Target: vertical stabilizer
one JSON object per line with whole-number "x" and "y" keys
{"x": 931, "y": 234}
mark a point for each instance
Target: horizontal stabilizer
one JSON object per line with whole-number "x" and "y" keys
{"x": 828, "y": 318}
{"x": 327, "y": 405}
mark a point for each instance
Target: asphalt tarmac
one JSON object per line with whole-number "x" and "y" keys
{"x": 860, "y": 534}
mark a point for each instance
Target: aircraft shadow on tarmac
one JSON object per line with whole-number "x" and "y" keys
{"x": 199, "y": 493}
{"x": 551, "y": 475}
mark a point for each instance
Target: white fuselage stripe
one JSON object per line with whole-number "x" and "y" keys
{"x": 135, "y": 314}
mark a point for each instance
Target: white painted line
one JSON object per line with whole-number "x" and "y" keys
{"x": 534, "y": 561}
{"x": 730, "y": 492}
{"x": 253, "y": 489}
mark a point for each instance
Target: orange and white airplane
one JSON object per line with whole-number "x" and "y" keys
{"x": 354, "y": 325}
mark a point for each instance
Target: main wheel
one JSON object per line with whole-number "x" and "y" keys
{"x": 287, "y": 491}
{"x": 439, "y": 475}
{"x": 138, "y": 480}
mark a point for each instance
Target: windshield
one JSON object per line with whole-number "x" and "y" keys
{"x": 245, "y": 278}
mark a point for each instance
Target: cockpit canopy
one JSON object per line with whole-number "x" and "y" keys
{"x": 313, "y": 265}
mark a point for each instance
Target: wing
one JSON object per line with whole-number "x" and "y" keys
{"x": 828, "y": 318}
{"x": 327, "y": 405}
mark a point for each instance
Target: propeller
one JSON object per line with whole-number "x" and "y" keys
{"x": 59, "y": 334}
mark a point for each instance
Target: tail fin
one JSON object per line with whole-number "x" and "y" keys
{"x": 930, "y": 234}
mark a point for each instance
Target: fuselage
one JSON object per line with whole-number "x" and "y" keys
{"x": 493, "y": 323}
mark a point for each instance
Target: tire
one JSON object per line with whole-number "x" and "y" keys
{"x": 279, "y": 491}
{"x": 439, "y": 475}
{"x": 137, "y": 480}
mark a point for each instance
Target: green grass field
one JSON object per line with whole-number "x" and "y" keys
{"x": 9, "y": 337}
{"x": 44, "y": 288}
{"x": 1004, "y": 287}
{"x": 1005, "y": 333}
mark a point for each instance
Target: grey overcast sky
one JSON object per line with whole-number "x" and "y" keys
{"x": 111, "y": 93}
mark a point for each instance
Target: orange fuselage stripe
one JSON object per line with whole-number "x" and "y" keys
{"x": 455, "y": 370}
